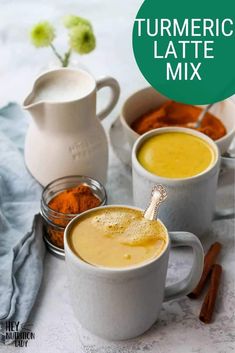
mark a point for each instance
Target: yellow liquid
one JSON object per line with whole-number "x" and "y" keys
{"x": 175, "y": 155}
{"x": 117, "y": 237}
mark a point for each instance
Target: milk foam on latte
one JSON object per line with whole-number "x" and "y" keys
{"x": 117, "y": 237}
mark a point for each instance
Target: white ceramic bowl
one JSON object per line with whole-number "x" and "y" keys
{"x": 148, "y": 99}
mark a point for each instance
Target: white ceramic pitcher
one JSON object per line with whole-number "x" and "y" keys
{"x": 66, "y": 136}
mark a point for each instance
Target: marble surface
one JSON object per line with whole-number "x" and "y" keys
{"x": 178, "y": 329}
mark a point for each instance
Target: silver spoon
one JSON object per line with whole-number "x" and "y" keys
{"x": 201, "y": 116}
{"x": 158, "y": 195}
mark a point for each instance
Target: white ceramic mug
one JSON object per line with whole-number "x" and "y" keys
{"x": 122, "y": 303}
{"x": 190, "y": 204}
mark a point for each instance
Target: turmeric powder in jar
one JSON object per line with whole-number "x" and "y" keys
{"x": 65, "y": 198}
{"x": 75, "y": 200}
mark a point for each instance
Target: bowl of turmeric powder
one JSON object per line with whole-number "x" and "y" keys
{"x": 62, "y": 200}
{"x": 148, "y": 109}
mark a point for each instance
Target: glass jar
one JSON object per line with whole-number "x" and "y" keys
{"x": 55, "y": 222}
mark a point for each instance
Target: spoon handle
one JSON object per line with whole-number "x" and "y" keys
{"x": 202, "y": 115}
{"x": 158, "y": 195}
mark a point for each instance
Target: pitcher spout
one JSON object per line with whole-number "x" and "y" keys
{"x": 35, "y": 108}
{"x": 29, "y": 102}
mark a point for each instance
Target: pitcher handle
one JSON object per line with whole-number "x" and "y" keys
{"x": 115, "y": 93}
{"x": 186, "y": 285}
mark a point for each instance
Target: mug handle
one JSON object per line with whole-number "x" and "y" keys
{"x": 227, "y": 161}
{"x": 115, "y": 93}
{"x": 186, "y": 285}
{"x": 226, "y": 213}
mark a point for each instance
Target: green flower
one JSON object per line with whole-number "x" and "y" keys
{"x": 42, "y": 34}
{"x": 71, "y": 21}
{"x": 82, "y": 39}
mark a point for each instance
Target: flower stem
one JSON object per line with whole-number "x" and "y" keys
{"x": 66, "y": 58}
{"x": 57, "y": 54}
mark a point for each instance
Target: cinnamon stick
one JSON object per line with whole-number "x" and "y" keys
{"x": 210, "y": 299}
{"x": 209, "y": 261}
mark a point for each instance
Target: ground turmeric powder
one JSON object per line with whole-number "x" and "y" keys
{"x": 178, "y": 114}
{"x": 69, "y": 202}
{"x": 74, "y": 200}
